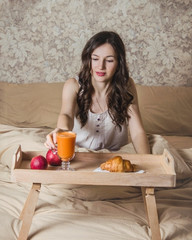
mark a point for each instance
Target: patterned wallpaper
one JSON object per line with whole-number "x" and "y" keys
{"x": 41, "y": 40}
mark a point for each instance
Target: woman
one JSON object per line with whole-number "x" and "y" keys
{"x": 101, "y": 104}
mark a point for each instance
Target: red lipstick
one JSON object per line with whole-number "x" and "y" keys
{"x": 100, "y": 74}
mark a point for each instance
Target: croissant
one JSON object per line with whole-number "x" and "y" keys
{"x": 117, "y": 164}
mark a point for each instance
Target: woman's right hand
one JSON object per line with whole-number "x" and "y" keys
{"x": 51, "y": 139}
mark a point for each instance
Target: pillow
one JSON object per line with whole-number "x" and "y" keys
{"x": 30, "y": 139}
{"x": 182, "y": 168}
{"x": 166, "y": 110}
{"x": 30, "y": 105}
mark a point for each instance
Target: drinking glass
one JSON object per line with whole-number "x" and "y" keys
{"x": 66, "y": 148}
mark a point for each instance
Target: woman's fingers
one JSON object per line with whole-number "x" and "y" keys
{"x": 51, "y": 138}
{"x": 46, "y": 145}
{"x": 54, "y": 138}
{"x": 50, "y": 142}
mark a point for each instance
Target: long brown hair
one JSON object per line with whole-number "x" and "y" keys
{"x": 118, "y": 95}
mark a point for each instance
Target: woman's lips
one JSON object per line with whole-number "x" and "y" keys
{"x": 101, "y": 74}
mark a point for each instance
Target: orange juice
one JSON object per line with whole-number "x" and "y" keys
{"x": 66, "y": 145}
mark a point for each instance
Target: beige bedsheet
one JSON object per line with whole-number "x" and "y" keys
{"x": 92, "y": 212}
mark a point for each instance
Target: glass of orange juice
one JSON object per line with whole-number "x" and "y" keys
{"x": 66, "y": 148}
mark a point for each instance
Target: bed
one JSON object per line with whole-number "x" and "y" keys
{"x": 65, "y": 211}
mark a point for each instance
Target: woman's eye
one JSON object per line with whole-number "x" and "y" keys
{"x": 110, "y": 61}
{"x": 94, "y": 59}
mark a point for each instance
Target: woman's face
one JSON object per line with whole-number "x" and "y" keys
{"x": 103, "y": 63}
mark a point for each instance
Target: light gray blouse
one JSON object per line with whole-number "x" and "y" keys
{"x": 100, "y": 132}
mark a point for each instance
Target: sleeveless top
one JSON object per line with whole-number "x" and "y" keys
{"x": 100, "y": 132}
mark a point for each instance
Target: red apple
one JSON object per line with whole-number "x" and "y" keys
{"x": 38, "y": 162}
{"x": 52, "y": 158}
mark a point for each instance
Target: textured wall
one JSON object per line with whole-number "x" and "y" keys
{"x": 41, "y": 41}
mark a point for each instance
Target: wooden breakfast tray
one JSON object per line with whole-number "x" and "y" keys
{"x": 158, "y": 172}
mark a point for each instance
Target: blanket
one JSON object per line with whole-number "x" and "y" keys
{"x": 97, "y": 212}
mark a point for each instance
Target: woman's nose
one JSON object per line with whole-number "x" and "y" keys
{"x": 101, "y": 64}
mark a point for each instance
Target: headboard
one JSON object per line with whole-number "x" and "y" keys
{"x": 165, "y": 110}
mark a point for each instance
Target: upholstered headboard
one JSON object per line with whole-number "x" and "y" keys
{"x": 164, "y": 110}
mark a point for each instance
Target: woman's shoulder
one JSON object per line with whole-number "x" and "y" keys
{"x": 71, "y": 83}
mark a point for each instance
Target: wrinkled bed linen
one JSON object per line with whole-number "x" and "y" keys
{"x": 92, "y": 212}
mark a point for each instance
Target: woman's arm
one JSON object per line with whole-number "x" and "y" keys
{"x": 137, "y": 132}
{"x": 68, "y": 107}
{"x": 66, "y": 115}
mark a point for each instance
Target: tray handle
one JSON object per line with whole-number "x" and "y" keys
{"x": 168, "y": 162}
{"x": 17, "y": 157}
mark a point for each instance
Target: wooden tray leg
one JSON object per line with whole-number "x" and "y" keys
{"x": 151, "y": 210}
{"x": 28, "y": 211}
